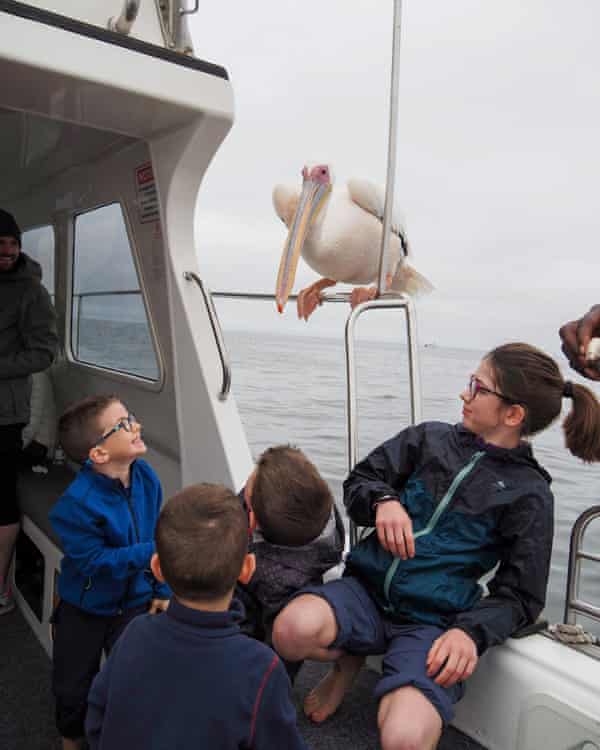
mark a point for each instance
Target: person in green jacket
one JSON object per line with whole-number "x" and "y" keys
{"x": 28, "y": 343}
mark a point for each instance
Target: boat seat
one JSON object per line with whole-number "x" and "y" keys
{"x": 39, "y": 492}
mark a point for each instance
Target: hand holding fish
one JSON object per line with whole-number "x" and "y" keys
{"x": 576, "y": 338}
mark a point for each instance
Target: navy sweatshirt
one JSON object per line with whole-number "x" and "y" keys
{"x": 186, "y": 679}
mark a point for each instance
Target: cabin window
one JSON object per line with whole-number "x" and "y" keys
{"x": 109, "y": 326}
{"x": 39, "y": 244}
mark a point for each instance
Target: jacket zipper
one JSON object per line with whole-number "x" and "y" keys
{"x": 133, "y": 518}
{"x": 87, "y": 586}
{"x": 432, "y": 523}
{"x": 137, "y": 539}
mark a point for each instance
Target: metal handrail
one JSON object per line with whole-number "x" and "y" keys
{"x": 573, "y": 604}
{"x": 218, "y": 334}
{"x": 383, "y": 303}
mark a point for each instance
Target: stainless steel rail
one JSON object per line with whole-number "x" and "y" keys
{"x": 573, "y": 604}
{"x": 392, "y": 141}
{"x": 383, "y": 303}
{"x": 218, "y": 334}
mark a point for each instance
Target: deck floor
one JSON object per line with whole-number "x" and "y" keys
{"x": 27, "y": 713}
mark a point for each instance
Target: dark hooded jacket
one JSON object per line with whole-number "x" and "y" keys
{"x": 473, "y": 506}
{"x": 28, "y": 339}
{"x": 281, "y": 571}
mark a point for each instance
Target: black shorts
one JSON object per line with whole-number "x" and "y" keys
{"x": 79, "y": 640}
{"x": 364, "y": 629}
{"x": 11, "y": 446}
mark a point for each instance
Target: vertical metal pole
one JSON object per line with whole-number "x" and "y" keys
{"x": 351, "y": 406}
{"x": 414, "y": 371}
{"x": 391, "y": 166}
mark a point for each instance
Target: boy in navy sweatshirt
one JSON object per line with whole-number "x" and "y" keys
{"x": 189, "y": 677}
{"x": 105, "y": 521}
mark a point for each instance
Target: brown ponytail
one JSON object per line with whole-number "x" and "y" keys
{"x": 531, "y": 378}
{"x": 582, "y": 425}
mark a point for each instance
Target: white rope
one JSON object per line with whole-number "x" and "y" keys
{"x": 573, "y": 634}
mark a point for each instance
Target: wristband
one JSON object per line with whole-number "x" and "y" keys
{"x": 385, "y": 499}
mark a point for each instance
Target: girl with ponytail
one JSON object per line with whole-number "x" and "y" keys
{"x": 532, "y": 379}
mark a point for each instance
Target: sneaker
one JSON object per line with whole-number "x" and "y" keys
{"x": 7, "y": 603}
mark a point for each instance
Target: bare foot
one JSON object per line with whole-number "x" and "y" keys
{"x": 325, "y": 699}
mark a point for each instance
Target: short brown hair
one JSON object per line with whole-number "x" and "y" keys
{"x": 530, "y": 377}
{"x": 291, "y": 501}
{"x": 201, "y": 540}
{"x": 79, "y": 429}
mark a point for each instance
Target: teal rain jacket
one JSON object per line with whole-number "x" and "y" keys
{"x": 473, "y": 506}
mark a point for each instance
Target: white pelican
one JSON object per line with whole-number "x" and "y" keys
{"x": 338, "y": 233}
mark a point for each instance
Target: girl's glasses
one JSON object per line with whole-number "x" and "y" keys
{"x": 123, "y": 424}
{"x": 475, "y": 386}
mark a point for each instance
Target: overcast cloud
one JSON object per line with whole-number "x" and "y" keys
{"x": 498, "y": 160}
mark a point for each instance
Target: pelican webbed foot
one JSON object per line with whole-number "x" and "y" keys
{"x": 310, "y": 298}
{"x": 362, "y": 294}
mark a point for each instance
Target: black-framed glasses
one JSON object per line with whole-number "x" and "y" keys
{"x": 126, "y": 423}
{"x": 475, "y": 386}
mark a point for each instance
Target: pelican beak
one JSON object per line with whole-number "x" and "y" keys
{"x": 311, "y": 200}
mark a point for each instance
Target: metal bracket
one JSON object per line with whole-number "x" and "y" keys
{"x": 173, "y": 20}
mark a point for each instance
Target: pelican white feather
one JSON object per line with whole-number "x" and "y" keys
{"x": 338, "y": 233}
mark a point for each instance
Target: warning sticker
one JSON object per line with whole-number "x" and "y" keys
{"x": 146, "y": 193}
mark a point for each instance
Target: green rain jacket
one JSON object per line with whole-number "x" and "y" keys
{"x": 28, "y": 338}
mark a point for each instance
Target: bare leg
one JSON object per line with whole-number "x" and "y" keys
{"x": 362, "y": 294}
{"x": 305, "y": 629}
{"x": 408, "y": 721}
{"x": 8, "y": 537}
{"x": 310, "y": 298}
{"x": 325, "y": 699}
{"x": 69, "y": 744}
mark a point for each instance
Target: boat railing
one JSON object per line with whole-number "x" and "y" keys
{"x": 574, "y": 604}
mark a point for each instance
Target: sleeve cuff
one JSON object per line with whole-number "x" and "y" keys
{"x": 384, "y": 499}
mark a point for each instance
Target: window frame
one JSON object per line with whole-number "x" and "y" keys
{"x": 120, "y": 376}
{"x": 51, "y": 226}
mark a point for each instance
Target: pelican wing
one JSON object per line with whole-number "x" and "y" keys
{"x": 370, "y": 197}
{"x": 285, "y": 202}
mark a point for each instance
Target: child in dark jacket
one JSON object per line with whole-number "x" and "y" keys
{"x": 447, "y": 503}
{"x": 105, "y": 521}
{"x": 298, "y": 535}
{"x": 189, "y": 677}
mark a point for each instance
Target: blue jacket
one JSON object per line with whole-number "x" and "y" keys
{"x": 473, "y": 505}
{"x": 107, "y": 535}
{"x": 190, "y": 679}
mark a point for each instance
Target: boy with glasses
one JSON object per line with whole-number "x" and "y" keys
{"x": 105, "y": 521}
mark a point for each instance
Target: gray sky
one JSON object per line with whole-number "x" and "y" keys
{"x": 498, "y": 157}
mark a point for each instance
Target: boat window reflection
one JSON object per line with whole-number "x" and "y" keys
{"x": 109, "y": 322}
